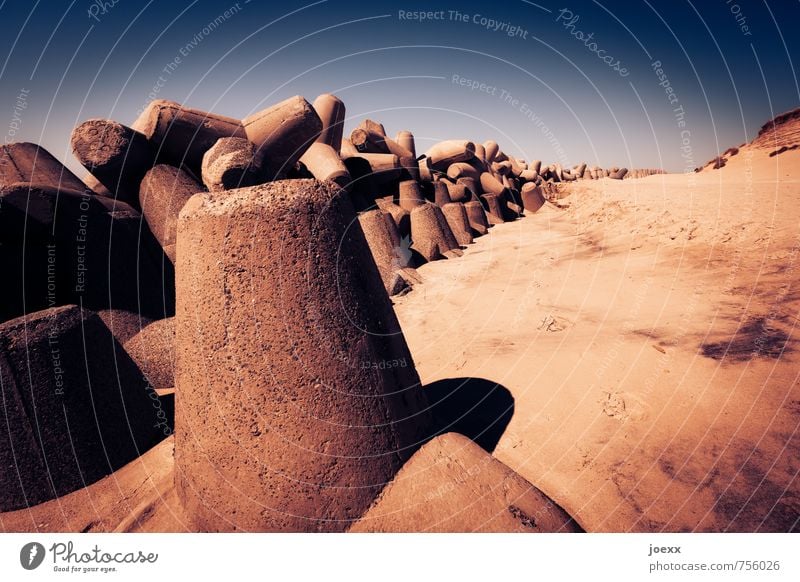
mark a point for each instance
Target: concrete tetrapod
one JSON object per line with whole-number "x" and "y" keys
{"x": 153, "y": 350}
{"x": 477, "y": 218}
{"x": 28, "y": 163}
{"x": 431, "y": 236}
{"x": 76, "y": 407}
{"x": 456, "y": 216}
{"x": 331, "y": 112}
{"x": 162, "y": 193}
{"x": 314, "y": 402}
{"x": 230, "y": 163}
{"x": 532, "y": 197}
{"x": 116, "y": 155}
{"x": 387, "y": 249}
{"x": 453, "y": 485}
{"x": 282, "y": 133}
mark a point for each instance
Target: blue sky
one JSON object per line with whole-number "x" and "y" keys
{"x": 570, "y": 81}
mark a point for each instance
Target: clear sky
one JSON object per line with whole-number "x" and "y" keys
{"x": 570, "y": 81}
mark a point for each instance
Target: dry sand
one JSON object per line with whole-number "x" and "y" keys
{"x": 648, "y": 336}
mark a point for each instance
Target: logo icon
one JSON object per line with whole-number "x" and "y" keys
{"x": 31, "y": 555}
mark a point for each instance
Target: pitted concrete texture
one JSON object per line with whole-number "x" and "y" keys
{"x": 453, "y": 485}
{"x": 76, "y": 406}
{"x": 32, "y": 164}
{"x": 230, "y": 163}
{"x": 456, "y": 216}
{"x": 296, "y": 396}
{"x": 153, "y": 350}
{"x": 324, "y": 163}
{"x": 182, "y": 135}
{"x": 441, "y": 193}
{"x": 431, "y": 237}
{"x": 401, "y": 217}
{"x": 386, "y": 247}
{"x": 163, "y": 192}
{"x": 477, "y": 218}
{"x": 532, "y": 197}
{"x": 331, "y": 112}
{"x": 115, "y": 154}
{"x": 409, "y": 195}
{"x": 282, "y": 133}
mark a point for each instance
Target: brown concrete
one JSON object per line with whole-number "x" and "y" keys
{"x": 477, "y": 218}
{"x": 409, "y": 195}
{"x": 29, "y": 163}
{"x": 95, "y": 185}
{"x": 324, "y": 163}
{"x": 331, "y": 112}
{"x": 491, "y": 149}
{"x": 381, "y": 168}
{"x": 61, "y": 246}
{"x": 532, "y": 197}
{"x": 401, "y": 217}
{"x": 456, "y": 216}
{"x": 153, "y": 350}
{"x": 293, "y": 405}
{"x": 494, "y": 211}
{"x": 282, "y": 133}
{"x": 473, "y": 187}
{"x": 453, "y": 485}
{"x": 115, "y": 154}
{"x": 387, "y": 249}
{"x": 75, "y": 406}
{"x": 182, "y": 135}
{"x": 458, "y": 192}
{"x": 123, "y": 324}
{"x": 444, "y": 153}
{"x": 619, "y": 174}
{"x": 463, "y": 170}
{"x": 490, "y": 184}
{"x": 162, "y": 194}
{"x": 230, "y": 163}
{"x": 405, "y": 139}
{"x": 431, "y": 236}
{"x": 441, "y": 193}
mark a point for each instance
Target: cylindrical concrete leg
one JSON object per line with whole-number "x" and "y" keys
{"x": 429, "y": 237}
{"x": 491, "y": 150}
{"x": 494, "y": 212}
{"x": 444, "y": 153}
{"x": 182, "y": 135}
{"x": 230, "y": 163}
{"x": 325, "y": 165}
{"x": 458, "y": 192}
{"x": 409, "y": 195}
{"x": 32, "y": 164}
{"x": 456, "y": 216}
{"x": 441, "y": 193}
{"x": 401, "y": 217}
{"x": 282, "y": 133}
{"x": 162, "y": 193}
{"x": 115, "y": 154}
{"x": 477, "y": 218}
{"x": 532, "y": 197}
{"x": 296, "y": 395}
{"x": 386, "y": 249}
{"x": 490, "y": 184}
{"x": 331, "y": 111}
{"x": 405, "y": 139}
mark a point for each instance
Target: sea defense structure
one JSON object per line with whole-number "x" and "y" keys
{"x": 28, "y": 163}
{"x": 509, "y": 503}
{"x": 181, "y": 135}
{"x": 331, "y": 112}
{"x": 153, "y": 350}
{"x": 282, "y": 133}
{"x": 310, "y": 410}
{"x": 117, "y": 156}
{"x": 532, "y": 197}
{"x": 324, "y": 163}
{"x": 60, "y": 246}
{"x": 230, "y": 163}
{"x": 392, "y": 256}
{"x": 431, "y": 236}
{"x": 478, "y": 223}
{"x": 75, "y": 406}
{"x": 162, "y": 193}
{"x": 457, "y": 220}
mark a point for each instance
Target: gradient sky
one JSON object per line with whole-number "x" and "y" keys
{"x": 71, "y": 61}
